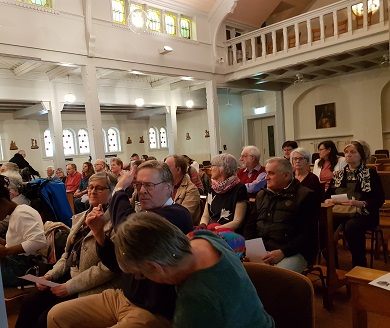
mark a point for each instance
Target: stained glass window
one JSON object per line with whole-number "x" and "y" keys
{"x": 43, "y": 3}
{"x": 113, "y": 140}
{"x": 47, "y": 141}
{"x": 170, "y": 24}
{"x": 163, "y": 137}
{"x": 153, "y": 138}
{"x": 118, "y": 11}
{"x": 154, "y": 17}
{"x": 185, "y": 30}
{"x": 68, "y": 141}
{"x": 83, "y": 140}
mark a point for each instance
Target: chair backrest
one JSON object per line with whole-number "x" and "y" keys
{"x": 380, "y": 156}
{"x": 314, "y": 157}
{"x": 286, "y": 295}
{"x": 382, "y": 151}
{"x": 382, "y": 160}
{"x": 385, "y": 178}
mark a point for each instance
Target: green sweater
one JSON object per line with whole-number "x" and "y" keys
{"x": 220, "y": 296}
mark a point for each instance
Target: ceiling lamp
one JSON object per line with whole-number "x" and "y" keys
{"x": 299, "y": 78}
{"x": 190, "y": 103}
{"x": 138, "y": 21}
{"x": 165, "y": 50}
{"x": 140, "y": 102}
{"x": 385, "y": 61}
{"x": 70, "y": 97}
{"x": 358, "y": 9}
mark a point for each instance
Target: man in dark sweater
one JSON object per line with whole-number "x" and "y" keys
{"x": 140, "y": 302}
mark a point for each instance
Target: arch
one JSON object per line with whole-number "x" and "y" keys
{"x": 163, "y": 137}
{"x": 113, "y": 138}
{"x": 105, "y": 140}
{"x": 48, "y": 143}
{"x": 153, "y": 138}
{"x": 83, "y": 140}
{"x": 69, "y": 142}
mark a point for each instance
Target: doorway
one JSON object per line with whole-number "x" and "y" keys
{"x": 261, "y": 133}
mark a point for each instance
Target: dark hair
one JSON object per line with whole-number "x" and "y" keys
{"x": 333, "y": 155}
{"x": 362, "y": 148}
{"x": 117, "y": 161}
{"x": 90, "y": 171}
{"x": 290, "y": 143}
{"x": 180, "y": 161}
{"x": 4, "y": 183}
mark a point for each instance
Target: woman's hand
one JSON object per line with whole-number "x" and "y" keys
{"x": 60, "y": 291}
{"x": 95, "y": 221}
{"x": 273, "y": 257}
{"x": 43, "y": 287}
{"x": 77, "y": 194}
{"x": 354, "y": 202}
{"x": 330, "y": 201}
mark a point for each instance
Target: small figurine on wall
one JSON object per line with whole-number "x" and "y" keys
{"x": 13, "y": 146}
{"x": 129, "y": 142}
{"x": 34, "y": 144}
{"x": 188, "y": 136}
{"x": 141, "y": 140}
{"x": 207, "y": 134}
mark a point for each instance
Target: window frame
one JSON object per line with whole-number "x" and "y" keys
{"x": 118, "y": 137}
{"x": 75, "y": 146}
{"x": 87, "y": 141}
{"x": 116, "y": 12}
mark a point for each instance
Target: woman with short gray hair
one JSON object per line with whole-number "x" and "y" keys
{"x": 300, "y": 159}
{"x": 16, "y": 188}
{"x": 227, "y": 202}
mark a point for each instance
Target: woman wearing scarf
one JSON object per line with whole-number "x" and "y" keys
{"x": 227, "y": 201}
{"x": 365, "y": 192}
{"x": 79, "y": 271}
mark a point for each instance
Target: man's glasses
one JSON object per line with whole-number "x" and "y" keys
{"x": 97, "y": 188}
{"x": 149, "y": 186}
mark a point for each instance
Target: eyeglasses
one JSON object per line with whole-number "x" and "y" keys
{"x": 97, "y": 188}
{"x": 149, "y": 186}
{"x": 298, "y": 159}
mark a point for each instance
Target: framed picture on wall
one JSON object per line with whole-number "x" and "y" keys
{"x": 325, "y": 116}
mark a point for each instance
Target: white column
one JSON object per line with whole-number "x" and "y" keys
{"x": 92, "y": 111}
{"x": 280, "y": 135}
{"x": 171, "y": 120}
{"x": 54, "y": 108}
{"x": 213, "y": 117}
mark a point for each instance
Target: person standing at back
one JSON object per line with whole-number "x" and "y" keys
{"x": 19, "y": 160}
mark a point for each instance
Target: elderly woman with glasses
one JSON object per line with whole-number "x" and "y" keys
{"x": 300, "y": 158}
{"x": 227, "y": 202}
{"x": 79, "y": 271}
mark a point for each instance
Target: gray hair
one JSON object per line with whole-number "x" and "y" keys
{"x": 110, "y": 179}
{"x": 147, "y": 237}
{"x": 15, "y": 180}
{"x": 253, "y": 151}
{"x": 301, "y": 151}
{"x": 284, "y": 164}
{"x": 161, "y": 167}
{"x": 11, "y": 166}
{"x": 227, "y": 162}
{"x": 50, "y": 167}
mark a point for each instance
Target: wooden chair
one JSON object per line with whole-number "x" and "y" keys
{"x": 292, "y": 39}
{"x": 376, "y": 243}
{"x": 359, "y": 20}
{"x": 316, "y": 34}
{"x": 382, "y": 151}
{"x": 380, "y": 156}
{"x": 286, "y": 295}
{"x": 342, "y": 26}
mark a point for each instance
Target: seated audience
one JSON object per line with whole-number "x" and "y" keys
{"x": 60, "y": 174}
{"x": 287, "y": 147}
{"x": 99, "y": 165}
{"x": 116, "y": 167}
{"x": 80, "y": 204}
{"x": 24, "y": 237}
{"x": 51, "y": 174}
{"x": 365, "y": 192}
{"x": 212, "y": 286}
{"x": 194, "y": 175}
{"x": 252, "y": 174}
{"x": 73, "y": 178}
{"x": 79, "y": 270}
{"x": 139, "y": 302}
{"x": 285, "y": 216}
{"x": 227, "y": 202}
{"x": 184, "y": 191}
{"x": 300, "y": 158}
{"x": 9, "y": 166}
{"x": 19, "y": 160}
{"x": 328, "y": 162}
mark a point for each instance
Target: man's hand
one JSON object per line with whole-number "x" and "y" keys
{"x": 60, "y": 291}
{"x": 127, "y": 178}
{"x": 95, "y": 220}
{"x": 3, "y": 252}
{"x": 273, "y": 257}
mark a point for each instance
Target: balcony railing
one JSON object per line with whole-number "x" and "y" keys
{"x": 325, "y": 26}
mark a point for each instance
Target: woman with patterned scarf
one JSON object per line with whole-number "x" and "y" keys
{"x": 227, "y": 200}
{"x": 364, "y": 189}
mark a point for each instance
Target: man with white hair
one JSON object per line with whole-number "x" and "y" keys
{"x": 19, "y": 160}
{"x": 9, "y": 166}
{"x": 51, "y": 173}
{"x": 252, "y": 174}
{"x": 99, "y": 165}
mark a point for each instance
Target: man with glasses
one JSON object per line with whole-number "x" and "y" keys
{"x": 99, "y": 165}
{"x": 252, "y": 174}
{"x": 139, "y": 302}
{"x": 286, "y": 218}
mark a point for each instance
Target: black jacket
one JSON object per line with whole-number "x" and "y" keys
{"x": 287, "y": 220}
{"x": 19, "y": 160}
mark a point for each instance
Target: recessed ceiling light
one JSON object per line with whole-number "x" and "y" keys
{"x": 187, "y": 78}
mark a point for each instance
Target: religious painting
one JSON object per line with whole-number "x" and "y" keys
{"x": 325, "y": 116}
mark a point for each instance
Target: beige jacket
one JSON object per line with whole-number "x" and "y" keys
{"x": 188, "y": 196}
{"x": 91, "y": 277}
